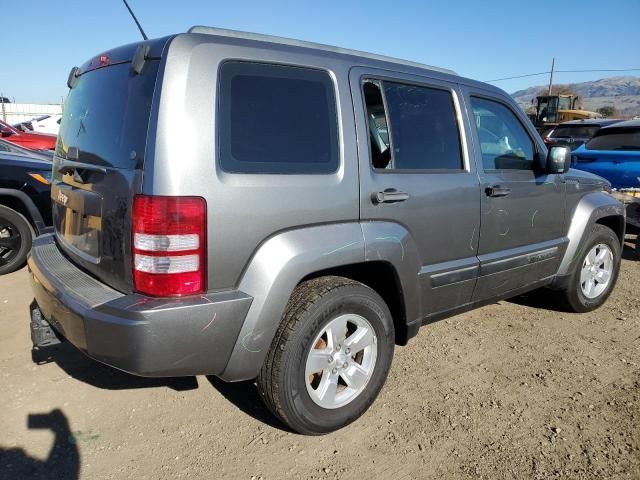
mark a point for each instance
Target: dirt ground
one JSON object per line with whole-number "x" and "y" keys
{"x": 513, "y": 390}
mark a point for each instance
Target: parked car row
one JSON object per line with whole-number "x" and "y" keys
{"x": 576, "y": 132}
{"x": 613, "y": 153}
{"x": 42, "y": 124}
{"x": 25, "y": 201}
{"x": 607, "y": 147}
{"x": 32, "y": 140}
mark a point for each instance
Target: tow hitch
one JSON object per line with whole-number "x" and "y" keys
{"x": 42, "y": 333}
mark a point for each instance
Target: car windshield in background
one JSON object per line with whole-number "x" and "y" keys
{"x": 615, "y": 139}
{"x": 587, "y": 131}
{"x": 11, "y": 148}
{"x": 106, "y": 115}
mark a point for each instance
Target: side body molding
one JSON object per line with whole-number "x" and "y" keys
{"x": 272, "y": 274}
{"x": 589, "y": 209}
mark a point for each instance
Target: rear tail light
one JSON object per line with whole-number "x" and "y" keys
{"x": 169, "y": 245}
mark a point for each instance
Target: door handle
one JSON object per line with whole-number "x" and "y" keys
{"x": 390, "y": 195}
{"x": 497, "y": 191}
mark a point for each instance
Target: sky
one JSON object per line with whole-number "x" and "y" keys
{"x": 484, "y": 40}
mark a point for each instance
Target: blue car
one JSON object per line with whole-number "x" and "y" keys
{"x": 613, "y": 153}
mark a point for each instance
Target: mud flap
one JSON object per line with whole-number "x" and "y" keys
{"x": 42, "y": 334}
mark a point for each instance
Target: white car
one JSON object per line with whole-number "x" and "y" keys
{"x": 42, "y": 124}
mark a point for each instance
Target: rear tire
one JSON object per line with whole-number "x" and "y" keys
{"x": 15, "y": 240}
{"x": 599, "y": 260}
{"x": 324, "y": 317}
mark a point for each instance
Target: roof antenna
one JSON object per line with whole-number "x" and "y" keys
{"x": 144, "y": 35}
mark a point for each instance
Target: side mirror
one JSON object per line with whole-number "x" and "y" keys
{"x": 558, "y": 159}
{"x": 6, "y": 132}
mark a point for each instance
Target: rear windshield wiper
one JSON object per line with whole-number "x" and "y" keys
{"x": 70, "y": 164}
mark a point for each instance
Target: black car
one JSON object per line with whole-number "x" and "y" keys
{"x": 25, "y": 202}
{"x": 576, "y": 132}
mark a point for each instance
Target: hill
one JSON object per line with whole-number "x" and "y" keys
{"x": 623, "y": 93}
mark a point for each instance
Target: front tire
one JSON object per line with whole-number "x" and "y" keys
{"x": 596, "y": 272}
{"x": 15, "y": 240}
{"x": 330, "y": 356}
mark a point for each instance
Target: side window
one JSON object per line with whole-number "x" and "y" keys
{"x": 411, "y": 127}
{"x": 276, "y": 119}
{"x": 504, "y": 142}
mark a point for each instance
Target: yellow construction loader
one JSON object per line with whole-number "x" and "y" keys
{"x": 554, "y": 109}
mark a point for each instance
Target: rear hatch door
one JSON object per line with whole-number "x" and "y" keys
{"x": 99, "y": 160}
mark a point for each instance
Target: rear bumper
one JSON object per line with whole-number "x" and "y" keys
{"x": 141, "y": 335}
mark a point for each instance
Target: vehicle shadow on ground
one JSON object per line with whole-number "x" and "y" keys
{"x": 63, "y": 461}
{"x": 629, "y": 251}
{"x": 546, "y": 299}
{"x": 244, "y": 395}
{"x": 542, "y": 298}
{"x": 81, "y": 367}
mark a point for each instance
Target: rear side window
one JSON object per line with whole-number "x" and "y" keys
{"x": 423, "y": 133}
{"x": 276, "y": 119}
{"x": 615, "y": 139}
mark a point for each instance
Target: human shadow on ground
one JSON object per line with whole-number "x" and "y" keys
{"x": 244, "y": 395}
{"x": 81, "y": 367}
{"x": 63, "y": 461}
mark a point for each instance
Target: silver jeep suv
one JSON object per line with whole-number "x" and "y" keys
{"x": 246, "y": 206}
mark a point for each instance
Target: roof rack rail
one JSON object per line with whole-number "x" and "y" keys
{"x": 223, "y": 32}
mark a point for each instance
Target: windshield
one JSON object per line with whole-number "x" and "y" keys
{"x": 564, "y": 103}
{"x": 575, "y": 131}
{"x": 12, "y": 148}
{"x": 615, "y": 139}
{"x": 106, "y": 115}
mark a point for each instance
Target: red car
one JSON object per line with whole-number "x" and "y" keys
{"x": 35, "y": 141}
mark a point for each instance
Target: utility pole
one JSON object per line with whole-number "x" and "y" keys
{"x": 553, "y": 63}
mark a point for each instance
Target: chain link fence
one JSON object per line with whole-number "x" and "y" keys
{"x": 13, "y": 113}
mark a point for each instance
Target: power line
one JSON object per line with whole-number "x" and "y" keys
{"x": 518, "y": 76}
{"x": 567, "y": 71}
{"x": 603, "y": 70}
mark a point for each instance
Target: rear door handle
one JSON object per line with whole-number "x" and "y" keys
{"x": 390, "y": 195}
{"x": 497, "y": 191}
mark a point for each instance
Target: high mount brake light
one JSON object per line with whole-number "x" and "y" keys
{"x": 169, "y": 245}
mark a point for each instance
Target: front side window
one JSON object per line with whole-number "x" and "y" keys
{"x": 413, "y": 128}
{"x": 276, "y": 119}
{"x": 504, "y": 142}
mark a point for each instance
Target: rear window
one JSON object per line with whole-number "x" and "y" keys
{"x": 276, "y": 119}
{"x": 584, "y": 131}
{"x": 424, "y": 129}
{"x": 106, "y": 115}
{"x": 615, "y": 139}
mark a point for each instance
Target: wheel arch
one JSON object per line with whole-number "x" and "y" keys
{"x": 382, "y": 277}
{"x": 21, "y": 203}
{"x": 288, "y": 258}
{"x": 615, "y": 223}
{"x": 594, "y": 208}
